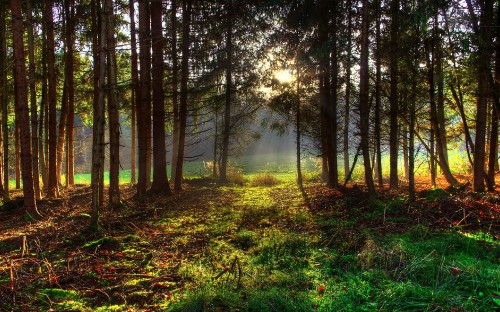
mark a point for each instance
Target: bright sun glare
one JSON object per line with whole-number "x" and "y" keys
{"x": 284, "y": 76}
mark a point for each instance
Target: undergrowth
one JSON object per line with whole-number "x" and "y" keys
{"x": 261, "y": 249}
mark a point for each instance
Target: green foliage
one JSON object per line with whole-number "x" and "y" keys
{"x": 435, "y": 195}
{"x": 105, "y": 242}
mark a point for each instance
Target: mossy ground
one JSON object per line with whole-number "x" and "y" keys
{"x": 256, "y": 248}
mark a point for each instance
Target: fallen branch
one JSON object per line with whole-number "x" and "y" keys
{"x": 166, "y": 277}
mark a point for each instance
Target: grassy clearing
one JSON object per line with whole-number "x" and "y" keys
{"x": 257, "y": 248}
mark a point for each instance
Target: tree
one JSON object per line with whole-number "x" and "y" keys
{"x": 160, "y": 179}
{"x": 34, "y": 113}
{"x": 113, "y": 115}
{"x": 144, "y": 110}
{"x": 70, "y": 69}
{"x": 393, "y": 135}
{"x": 52, "y": 188}
{"x": 186, "y": 21}
{"x": 334, "y": 72}
{"x": 347, "y": 87}
{"x": 4, "y": 98}
{"x": 98, "y": 118}
{"x": 484, "y": 54}
{"x": 229, "y": 86}
{"x": 22, "y": 109}
{"x": 364, "y": 104}
{"x": 136, "y": 88}
{"x": 175, "y": 91}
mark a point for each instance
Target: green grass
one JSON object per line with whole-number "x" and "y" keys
{"x": 290, "y": 265}
{"x": 261, "y": 248}
{"x": 282, "y": 166}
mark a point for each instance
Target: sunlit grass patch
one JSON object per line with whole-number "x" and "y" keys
{"x": 264, "y": 179}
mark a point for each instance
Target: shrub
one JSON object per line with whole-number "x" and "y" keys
{"x": 265, "y": 179}
{"x": 235, "y": 176}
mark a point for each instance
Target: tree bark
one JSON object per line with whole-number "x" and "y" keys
{"x": 393, "y": 133}
{"x": 17, "y": 148}
{"x": 186, "y": 20}
{"x": 493, "y": 153}
{"x": 334, "y": 71}
{"x": 175, "y": 83}
{"x": 440, "y": 101}
{"x": 136, "y": 101}
{"x": 43, "y": 107}
{"x": 484, "y": 53}
{"x": 52, "y": 189}
{"x": 226, "y": 133}
{"x": 347, "y": 89}
{"x": 5, "y": 99}
{"x": 378, "y": 97}
{"x": 113, "y": 114}
{"x": 297, "y": 129}
{"x": 22, "y": 109}
{"x": 363, "y": 98}
{"x": 61, "y": 138}
{"x": 33, "y": 103}
{"x": 324, "y": 92}
{"x": 160, "y": 179}
{"x": 98, "y": 127}
{"x": 3, "y": 103}
{"x": 70, "y": 46}
{"x": 144, "y": 110}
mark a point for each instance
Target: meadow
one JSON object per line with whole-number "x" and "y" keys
{"x": 257, "y": 244}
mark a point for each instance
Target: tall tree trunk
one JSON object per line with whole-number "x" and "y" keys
{"x": 144, "y": 110}
{"x": 113, "y": 114}
{"x": 186, "y": 21}
{"x": 226, "y": 133}
{"x": 334, "y": 71}
{"x": 46, "y": 130}
{"x": 364, "y": 100}
{"x": 136, "y": 91}
{"x": 378, "y": 97}
{"x": 440, "y": 101}
{"x": 70, "y": 121}
{"x": 34, "y": 111}
{"x": 42, "y": 148}
{"x": 484, "y": 52}
{"x": 347, "y": 89}
{"x": 297, "y": 129}
{"x": 22, "y": 109}
{"x": 432, "y": 153}
{"x": 324, "y": 92}
{"x": 493, "y": 153}
{"x": 160, "y": 179}
{"x": 434, "y": 116}
{"x": 493, "y": 150}
{"x": 52, "y": 189}
{"x": 393, "y": 133}
{"x": 17, "y": 147}
{"x": 175, "y": 83}
{"x": 98, "y": 127}
{"x": 411, "y": 139}
{"x": 5, "y": 99}
{"x": 4, "y": 171}
{"x": 61, "y": 138}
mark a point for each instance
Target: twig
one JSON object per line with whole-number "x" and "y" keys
{"x": 463, "y": 219}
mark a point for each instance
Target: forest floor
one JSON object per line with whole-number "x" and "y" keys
{"x": 256, "y": 248}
